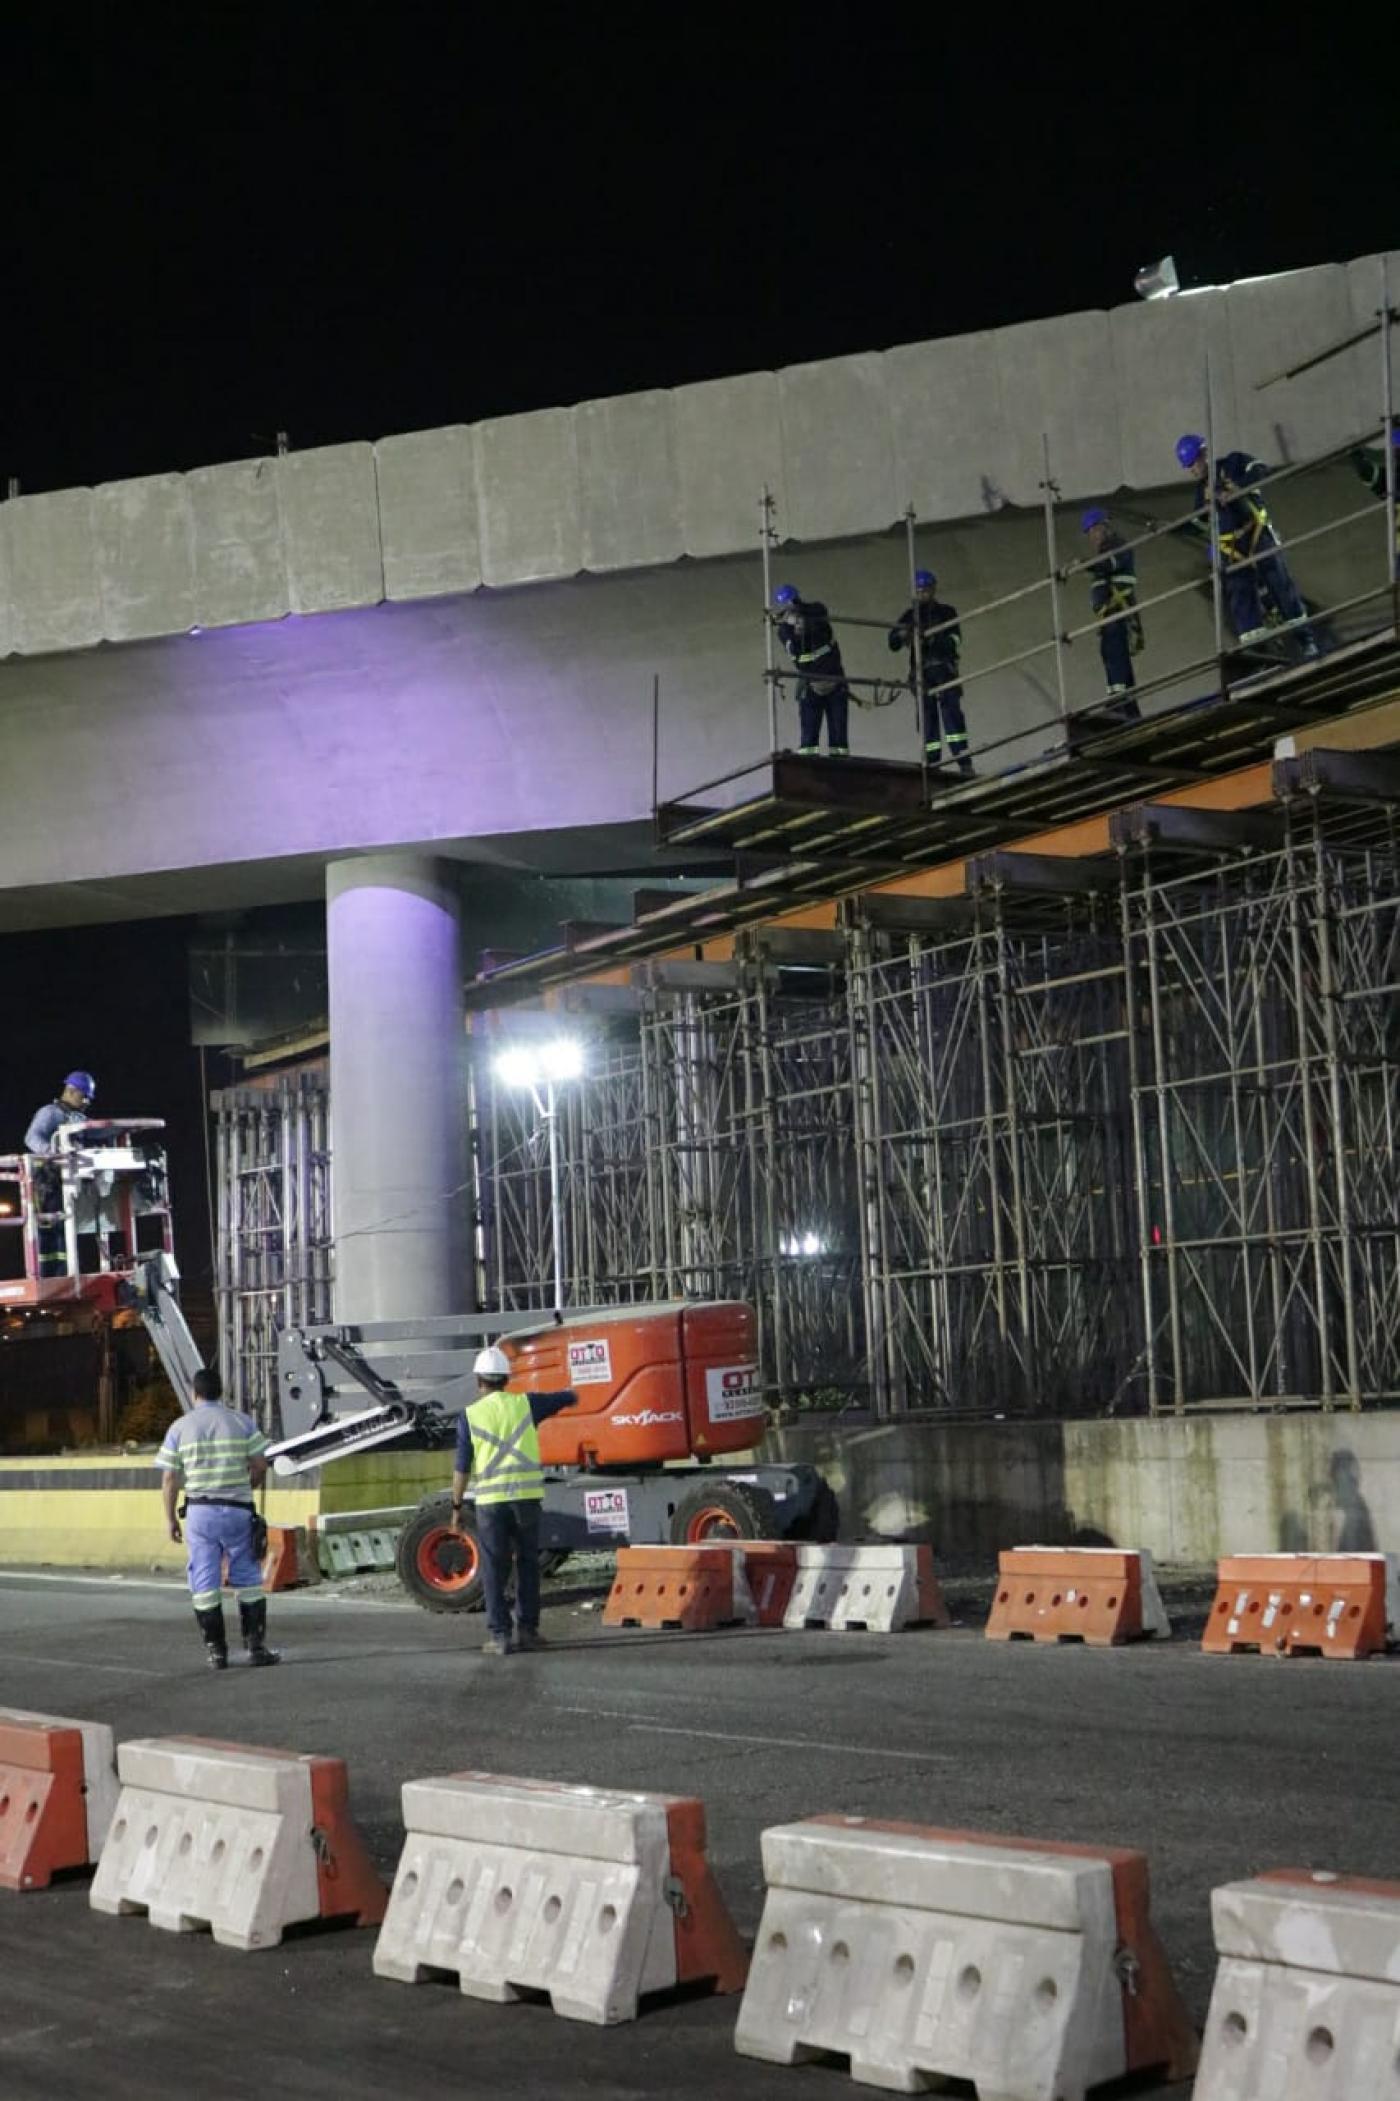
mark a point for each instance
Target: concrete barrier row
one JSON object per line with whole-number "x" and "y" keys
{"x": 1341, "y": 1606}
{"x": 1028, "y": 1969}
{"x": 776, "y": 1583}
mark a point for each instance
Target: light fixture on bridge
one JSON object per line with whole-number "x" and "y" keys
{"x": 1158, "y": 280}
{"x": 546, "y": 1065}
{"x": 541, "y": 1064}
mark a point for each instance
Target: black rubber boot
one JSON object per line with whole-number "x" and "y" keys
{"x": 254, "y": 1622}
{"x": 211, "y": 1626}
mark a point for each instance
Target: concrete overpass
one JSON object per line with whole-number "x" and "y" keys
{"x": 441, "y": 646}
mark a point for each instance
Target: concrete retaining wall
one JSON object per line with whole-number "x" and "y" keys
{"x": 1190, "y": 1488}
{"x": 102, "y": 1509}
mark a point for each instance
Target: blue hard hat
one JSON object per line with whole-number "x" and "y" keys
{"x": 924, "y": 579}
{"x": 786, "y": 594}
{"x": 1091, "y": 519}
{"x": 82, "y": 1083}
{"x": 1190, "y": 448}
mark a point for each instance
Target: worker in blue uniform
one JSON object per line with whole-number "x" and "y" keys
{"x": 804, "y": 629}
{"x": 1113, "y": 601}
{"x": 217, "y": 1457}
{"x": 1251, "y": 554}
{"x": 929, "y": 629}
{"x": 498, "y": 1438}
{"x": 71, "y": 1105}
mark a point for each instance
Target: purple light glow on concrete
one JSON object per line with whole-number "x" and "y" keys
{"x": 398, "y": 1088}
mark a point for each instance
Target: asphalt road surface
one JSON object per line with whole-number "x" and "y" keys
{"x": 1217, "y": 1767}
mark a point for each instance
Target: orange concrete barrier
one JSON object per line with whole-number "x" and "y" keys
{"x": 691, "y": 1588}
{"x": 770, "y": 1570}
{"x": 287, "y": 1558}
{"x": 1337, "y": 1605}
{"x": 43, "y": 1808}
{"x": 1096, "y": 1595}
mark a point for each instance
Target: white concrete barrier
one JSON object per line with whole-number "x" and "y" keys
{"x": 243, "y": 1841}
{"x": 594, "y": 1897}
{"x": 1030, "y": 1970}
{"x": 879, "y": 1588}
{"x": 99, "y": 1768}
{"x": 1306, "y": 2005}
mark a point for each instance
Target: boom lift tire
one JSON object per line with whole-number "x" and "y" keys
{"x": 728, "y": 1510}
{"x": 441, "y": 1569}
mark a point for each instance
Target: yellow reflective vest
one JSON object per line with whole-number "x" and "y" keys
{"x": 505, "y": 1449}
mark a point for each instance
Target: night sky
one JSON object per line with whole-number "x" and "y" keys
{"x": 224, "y": 222}
{"x": 353, "y": 222}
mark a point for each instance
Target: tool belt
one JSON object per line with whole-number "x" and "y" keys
{"x": 259, "y": 1532}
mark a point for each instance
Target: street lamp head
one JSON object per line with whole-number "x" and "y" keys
{"x": 534, "y": 1064}
{"x": 562, "y": 1059}
{"x": 516, "y": 1067}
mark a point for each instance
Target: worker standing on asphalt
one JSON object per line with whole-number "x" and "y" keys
{"x": 1250, "y": 549}
{"x": 931, "y": 633}
{"x": 804, "y": 629}
{"x": 499, "y": 1431}
{"x": 69, "y": 1106}
{"x": 1113, "y": 599}
{"x": 216, "y": 1456}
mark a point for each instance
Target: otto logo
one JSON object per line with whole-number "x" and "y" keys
{"x": 590, "y": 1363}
{"x": 733, "y": 1391}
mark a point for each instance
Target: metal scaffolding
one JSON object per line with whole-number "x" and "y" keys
{"x": 992, "y": 1115}
{"x": 1265, "y": 1041}
{"x": 273, "y": 1259}
{"x": 1109, "y": 1134}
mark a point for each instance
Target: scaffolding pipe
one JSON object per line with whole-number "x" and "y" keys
{"x": 766, "y": 535}
{"x": 1392, "y": 532}
{"x": 1051, "y": 490}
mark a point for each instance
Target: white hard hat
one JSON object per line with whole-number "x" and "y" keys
{"x": 492, "y": 1364}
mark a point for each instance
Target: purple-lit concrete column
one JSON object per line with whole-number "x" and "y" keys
{"x": 398, "y": 1088}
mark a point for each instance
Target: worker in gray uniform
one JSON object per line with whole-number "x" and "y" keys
{"x": 218, "y": 1457}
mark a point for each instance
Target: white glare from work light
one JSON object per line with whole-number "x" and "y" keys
{"x": 527, "y": 1065}
{"x": 1158, "y": 280}
{"x": 804, "y": 1244}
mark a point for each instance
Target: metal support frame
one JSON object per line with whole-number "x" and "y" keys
{"x": 1096, "y": 1137}
{"x": 274, "y": 1252}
